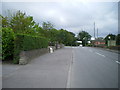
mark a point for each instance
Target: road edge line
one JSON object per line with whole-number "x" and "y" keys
{"x": 117, "y": 62}
{"x": 69, "y": 72}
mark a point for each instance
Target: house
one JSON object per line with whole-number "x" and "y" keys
{"x": 98, "y": 42}
{"x": 111, "y": 43}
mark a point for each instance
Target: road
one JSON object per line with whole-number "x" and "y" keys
{"x": 70, "y": 67}
{"x": 93, "y": 68}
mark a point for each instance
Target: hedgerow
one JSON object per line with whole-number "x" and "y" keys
{"x": 24, "y": 42}
{"x": 7, "y": 43}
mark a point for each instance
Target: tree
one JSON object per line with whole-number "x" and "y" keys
{"x": 84, "y": 37}
{"x": 72, "y": 34}
{"x": 109, "y": 37}
{"x": 65, "y": 37}
{"x": 53, "y": 34}
{"x": 5, "y": 22}
{"x": 7, "y": 43}
{"x": 48, "y": 30}
{"x": 47, "y": 26}
{"x": 21, "y": 23}
{"x": 84, "y": 34}
{"x": 118, "y": 39}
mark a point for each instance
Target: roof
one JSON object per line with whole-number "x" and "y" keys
{"x": 98, "y": 40}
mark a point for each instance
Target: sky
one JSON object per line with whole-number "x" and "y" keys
{"x": 71, "y": 16}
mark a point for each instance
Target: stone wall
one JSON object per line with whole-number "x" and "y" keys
{"x": 26, "y": 56}
{"x": 58, "y": 46}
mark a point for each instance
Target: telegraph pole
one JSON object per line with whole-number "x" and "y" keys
{"x": 97, "y": 32}
{"x": 94, "y": 29}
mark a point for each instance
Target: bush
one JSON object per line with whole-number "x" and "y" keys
{"x": 7, "y": 43}
{"x": 0, "y": 43}
{"x": 25, "y": 42}
{"x": 34, "y": 42}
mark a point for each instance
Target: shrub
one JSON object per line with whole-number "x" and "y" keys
{"x": 7, "y": 43}
{"x": 25, "y": 42}
{"x": 0, "y": 43}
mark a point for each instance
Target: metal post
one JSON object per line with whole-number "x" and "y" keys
{"x": 94, "y": 29}
{"x": 97, "y": 32}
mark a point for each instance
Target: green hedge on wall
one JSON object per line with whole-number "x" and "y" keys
{"x": 0, "y": 43}
{"x": 7, "y": 43}
{"x": 25, "y": 42}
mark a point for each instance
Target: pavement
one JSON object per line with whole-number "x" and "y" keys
{"x": 70, "y": 67}
{"x": 47, "y": 71}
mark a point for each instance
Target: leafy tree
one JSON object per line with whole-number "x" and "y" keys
{"x": 72, "y": 34}
{"x": 109, "y": 37}
{"x": 47, "y": 26}
{"x": 0, "y": 43}
{"x": 118, "y": 39}
{"x": 53, "y": 34}
{"x": 66, "y": 37}
{"x": 84, "y": 37}
{"x": 5, "y": 22}
{"x": 83, "y": 34}
{"x": 48, "y": 30}
{"x": 7, "y": 43}
{"x": 21, "y": 23}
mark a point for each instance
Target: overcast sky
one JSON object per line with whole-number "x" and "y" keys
{"x": 72, "y": 16}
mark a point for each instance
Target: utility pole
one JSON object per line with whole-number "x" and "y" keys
{"x": 94, "y": 29}
{"x": 97, "y": 32}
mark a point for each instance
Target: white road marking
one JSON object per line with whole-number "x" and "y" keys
{"x": 118, "y": 62}
{"x": 69, "y": 71}
{"x": 90, "y": 50}
{"x": 75, "y": 47}
{"x": 100, "y": 54}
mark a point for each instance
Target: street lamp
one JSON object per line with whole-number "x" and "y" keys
{"x": 109, "y": 44}
{"x": 84, "y": 41}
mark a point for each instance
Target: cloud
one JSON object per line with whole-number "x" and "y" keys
{"x": 72, "y": 16}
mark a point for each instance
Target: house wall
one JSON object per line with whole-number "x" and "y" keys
{"x": 111, "y": 43}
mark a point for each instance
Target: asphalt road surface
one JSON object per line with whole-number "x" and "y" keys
{"x": 70, "y": 67}
{"x": 93, "y": 68}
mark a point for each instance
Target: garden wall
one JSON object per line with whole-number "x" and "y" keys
{"x": 27, "y": 56}
{"x": 26, "y": 45}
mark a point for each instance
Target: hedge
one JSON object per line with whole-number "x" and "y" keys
{"x": 0, "y": 50}
{"x": 25, "y": 42}
{"x": 7, "y": 43}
